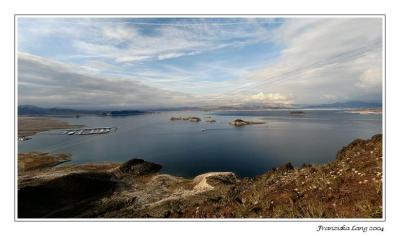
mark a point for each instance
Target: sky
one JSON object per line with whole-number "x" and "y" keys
{"x": 89, "y": 62}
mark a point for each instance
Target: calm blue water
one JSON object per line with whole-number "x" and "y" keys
{"x": 183, "y": 149}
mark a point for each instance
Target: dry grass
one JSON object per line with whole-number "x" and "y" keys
{"x": 35, "y": 161}
{"x": 28, "y": 126}
{"x": 349, "y": 187}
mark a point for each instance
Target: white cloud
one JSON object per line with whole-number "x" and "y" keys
{"x": 137, "y": 47}
{"x": 124, "y": 41}
{"x": 46, "y": 82}
{"x": 371, "y": 78}
{"x": 322, "y": 60}
{"x": 269, "y": 98}
{"x": 119, "y": 33}
{"x": 324, "y": 56}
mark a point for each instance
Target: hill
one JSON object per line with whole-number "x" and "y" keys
{"x": 29, "y": 110}
{"x": 350, "y": 104}
{"x": 348, "y": 187}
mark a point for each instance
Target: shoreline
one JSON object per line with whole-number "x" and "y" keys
{"x": 31, "y": 125}
{"x": 66, "y": 125}
{"x": 369, "y": 111}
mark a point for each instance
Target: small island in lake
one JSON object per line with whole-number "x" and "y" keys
{"x": 367, "y": 111}
{"x": 240, "y": 122}
{"x": 189, "y": 118}
{"x": 297, "y": 113}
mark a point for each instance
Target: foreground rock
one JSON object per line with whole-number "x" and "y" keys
{"x": 65, "y": 196}
{"x": 349, "y": 187}
{"x": 240, "y": 122}
{"x": 138, "y": 167}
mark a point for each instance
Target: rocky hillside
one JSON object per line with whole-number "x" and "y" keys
{"x": 350, "y": 186}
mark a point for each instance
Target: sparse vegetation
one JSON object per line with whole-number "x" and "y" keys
{"x": 36, "y": 161}
{"x": 349, "y": 187}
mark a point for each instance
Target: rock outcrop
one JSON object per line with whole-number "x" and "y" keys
{"x": 208, "y": 181}
{"x": 189, "y": 118}
{"x": 297, "y": 113}
{"x": 240, "y": 122}
{"x": 65, "y": 196}
{"x": 138, "y": 167}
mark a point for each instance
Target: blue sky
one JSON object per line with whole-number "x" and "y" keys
{"x": 166, "y": 62}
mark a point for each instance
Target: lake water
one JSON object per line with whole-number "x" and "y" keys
{"x": 183, "y": 149}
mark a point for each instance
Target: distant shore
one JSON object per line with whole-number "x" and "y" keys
{"x": 365, "y": 111}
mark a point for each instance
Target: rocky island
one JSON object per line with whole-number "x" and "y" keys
{"x": 240, "y": 122}
{"x": 368, "y": 111}
{"x": 297, "y": 113}
{"x": 348, "y": 187}
{"x": 189, "y": 118}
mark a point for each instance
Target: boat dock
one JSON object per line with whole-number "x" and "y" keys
{"x": 90, "y": 131}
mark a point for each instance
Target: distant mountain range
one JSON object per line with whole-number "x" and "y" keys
{"x": 344, "y": 105}
{"x": 29, "y": 110}
{"x": 336, "y": 105}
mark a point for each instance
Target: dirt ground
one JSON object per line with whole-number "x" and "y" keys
{"x": 28, "y": 126}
